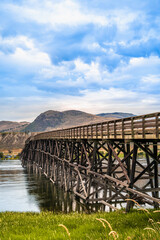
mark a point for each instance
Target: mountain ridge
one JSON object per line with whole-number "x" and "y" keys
{"x": 117, "y": 114}
{"x": 50, "y": 120}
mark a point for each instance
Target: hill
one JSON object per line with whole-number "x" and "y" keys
{"x": 54, "y": 120}
{"x": 9, "y": 126}
{"x": 10, "y": 141}
{"x": 116, "y": 115}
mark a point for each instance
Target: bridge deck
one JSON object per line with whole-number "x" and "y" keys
{"x": 138, "y": 127}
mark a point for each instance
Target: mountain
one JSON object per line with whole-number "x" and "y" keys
{"x": 11, "y": 137}
{"x": 54, "y": 120}
{"x": 9, "y": 126}
{"x": 116, "y": 115}
{"x": 50, "y": 120}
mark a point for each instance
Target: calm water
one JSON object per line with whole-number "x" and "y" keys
{"x": 21, "y": 190}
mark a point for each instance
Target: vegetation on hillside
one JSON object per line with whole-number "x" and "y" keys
{"x": 1, "y": 155}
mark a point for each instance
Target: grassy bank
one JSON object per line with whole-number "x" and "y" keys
{"x": 134, "y": 225}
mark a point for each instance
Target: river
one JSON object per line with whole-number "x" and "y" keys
{"x": 21, "y": 190}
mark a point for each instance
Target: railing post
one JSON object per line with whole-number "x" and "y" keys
{"x": 96, "y": 131}
{"x": 92, "y": 131}
{"x": 77, "y": 131}
{"x": 108, "y": 130}
{"x": 101, "y": 130}
{"x": 122, "y": 128}
{"x": 143, "y": 127}
{"x": 83, "y": 132}
{"x": 132, "y": 128}
{"x": 157, "y": 129}
{"x": 87, "y": 131}
{"x": 115, "y": 129}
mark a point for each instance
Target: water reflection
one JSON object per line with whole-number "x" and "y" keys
{"x": 23, "y": 190}
{"x": 52, "y": 197}
{"x": 13, "y": 188}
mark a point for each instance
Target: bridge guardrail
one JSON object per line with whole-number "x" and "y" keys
{"x": 138, "y": 127}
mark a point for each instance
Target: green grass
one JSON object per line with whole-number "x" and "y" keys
{"x": 44, "y": 225}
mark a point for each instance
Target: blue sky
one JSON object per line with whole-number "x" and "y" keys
{"x": 95, "y": 56}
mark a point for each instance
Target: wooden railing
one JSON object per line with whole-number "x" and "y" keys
{"x": 138, "y": 127}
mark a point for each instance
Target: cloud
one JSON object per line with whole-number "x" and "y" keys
{"x": 151, "y": 79}
{"x": 10, "y": 43}
{"x": 26, "y": 57}
{"x": 111, "y": 100}
{"x": 22, "y": 55}
{"x": 66, "y": 12}
{"x": 127, "y": 74}
{"x": 93, "y": 56}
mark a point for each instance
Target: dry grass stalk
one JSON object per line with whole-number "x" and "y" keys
{"x": 68, "y": 233}
{"x": 101, "y": 222}
{"x": 156, "y": 211}
{"x": 143, "y": 209}
{"x": 147, "y": 228}
{"x": 115, "y": 235}
{"x": 151, "y": 220}
{"x": 128, "y": 199}
{"x": 109, "y": 225}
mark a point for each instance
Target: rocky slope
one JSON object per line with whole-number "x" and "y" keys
{"x": 53, "y": 120}
{"x": 10, "y": 141}
{"x": 9, "y": 126}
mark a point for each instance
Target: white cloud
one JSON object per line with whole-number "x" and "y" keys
{"x": 136, "y": 69}
{"x": 72, "y": 73}
{"x": 151, "y": 79}
{"x": 30, "y": 57}
{"x": 124, "y": 17}
{"x": 18, "y": 41}
{"x": 148, "y": 61}
{"x": 24, "y": 55}
{"x": 64, "y": 12}
{"x": 78, "y": 73}
{"x": 90, "y": 71}
{"x": 111, "y": 100}
{"x": 72, "y": 13}
{"x": 98, "y": 57}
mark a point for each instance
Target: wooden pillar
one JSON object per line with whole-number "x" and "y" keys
{"x": 156, "y": 205}
{"x": 127, "y": 150}
{"x": 132, "y": 175}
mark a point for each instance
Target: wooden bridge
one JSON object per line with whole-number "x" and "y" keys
{"x": 105, "y": 163}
